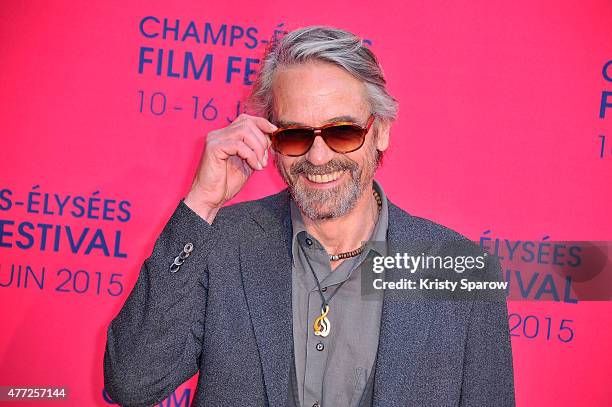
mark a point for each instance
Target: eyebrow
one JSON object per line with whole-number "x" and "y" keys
{"x": 345, "y": 118}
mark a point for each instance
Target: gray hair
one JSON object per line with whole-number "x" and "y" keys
{"x": 328, "y": 44}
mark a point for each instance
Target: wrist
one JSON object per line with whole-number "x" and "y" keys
{"x": 197, "y": 204}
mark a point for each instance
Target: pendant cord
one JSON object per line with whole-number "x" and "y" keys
{"x": 325, "y": 302}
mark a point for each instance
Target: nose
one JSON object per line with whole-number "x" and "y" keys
{"x": 319, "y": 153}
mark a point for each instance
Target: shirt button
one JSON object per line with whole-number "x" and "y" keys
{"x": 320, "y": 346}
{"x": 316, "y": 404}
{"x": 323, "y": 289}
{"x": 309, "y": 241}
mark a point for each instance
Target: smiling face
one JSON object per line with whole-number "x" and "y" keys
{"x": 323, "y": 183}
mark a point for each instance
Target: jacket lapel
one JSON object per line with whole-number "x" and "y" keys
{"x": 265, "y": 261}
{"x": 404, "y": 328}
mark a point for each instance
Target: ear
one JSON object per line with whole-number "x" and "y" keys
{"x": 383, "y": 128}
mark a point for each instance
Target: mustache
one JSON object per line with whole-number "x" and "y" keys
{"x": 306, "y": 167}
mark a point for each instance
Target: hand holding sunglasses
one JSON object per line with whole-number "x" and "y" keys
{"x": 341, "y": 137}
{"x": 229, "y": 158}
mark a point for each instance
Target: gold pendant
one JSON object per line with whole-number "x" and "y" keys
{"x": 322, "y": 324}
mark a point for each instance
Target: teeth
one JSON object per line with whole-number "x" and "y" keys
{"x": 325, "y": 177}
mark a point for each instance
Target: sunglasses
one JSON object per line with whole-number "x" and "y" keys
{"x": 341, "y": 137}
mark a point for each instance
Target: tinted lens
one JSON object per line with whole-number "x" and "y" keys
{"x": 293, "y": 142}
{"x": 344, "y": 138}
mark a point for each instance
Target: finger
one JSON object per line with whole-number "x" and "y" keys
{"x": 251, "y": 140}
{"x": 262, "y": 139}
{"x": 242, "y": 150}
{"x": 247, "y": 132}
{"x": 241, "y": 117}
{"x": 263, "y": 124}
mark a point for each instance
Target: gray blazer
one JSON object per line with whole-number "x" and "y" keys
{"x": 227, "y": 312}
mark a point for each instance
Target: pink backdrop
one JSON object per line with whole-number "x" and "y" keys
{"x": 499, "y": 129}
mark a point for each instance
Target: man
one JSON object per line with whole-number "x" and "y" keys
{"x": 264, "y": 297}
